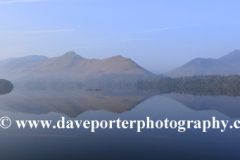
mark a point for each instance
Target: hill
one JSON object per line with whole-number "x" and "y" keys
{"x": 4, "y": 61}
{"x": 226, "y": 65}
{"x": 21, "y": 62}
{"x": 72, "y": 65}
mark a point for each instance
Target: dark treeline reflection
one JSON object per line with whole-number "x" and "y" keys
{"x": 196, "y": 85}
{"x": 5, "y": 86}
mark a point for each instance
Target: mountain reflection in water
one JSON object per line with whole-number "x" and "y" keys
{"x": 107, "y": 103}
{"x": 73, "y": 102}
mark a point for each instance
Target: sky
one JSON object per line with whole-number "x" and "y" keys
{"x": 158, "y": 35}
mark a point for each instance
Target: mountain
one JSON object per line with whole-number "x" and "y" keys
{"x": 4, "y": 61}
{"x": 226, "y": 65}
{"x": 71, "y": 65}
{"x": 18, "y": 63}
{"x": 232, "y": 58}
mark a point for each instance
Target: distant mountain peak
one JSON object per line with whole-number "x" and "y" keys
{"x": 72, "y": 54}
{"x": 118, "y": 57}
{"x": 231, "y": 58}
{"x": 226, "y": 65}
{"x": 235, "y": 52}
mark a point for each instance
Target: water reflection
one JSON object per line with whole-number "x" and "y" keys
{"x": 73, "y": 102}
{"x": 51, "y": 104}
{"x": 230, "y": 106}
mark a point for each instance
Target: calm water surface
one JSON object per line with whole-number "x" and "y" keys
{"x": 111, "y": 104}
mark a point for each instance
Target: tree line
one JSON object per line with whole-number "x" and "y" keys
{"x": 201, "y": 84}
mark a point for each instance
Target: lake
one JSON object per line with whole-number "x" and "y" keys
{"x": 111, "y": 104}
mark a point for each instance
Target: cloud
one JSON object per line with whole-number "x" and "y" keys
{"x": 45, "y": 31}
{"x": 162, "y": 29}
{"x": 167, "y": 28}
{"x": 87, "y": 47}
{"x": 20, "y": 1}
{"x": 127, "y": 40}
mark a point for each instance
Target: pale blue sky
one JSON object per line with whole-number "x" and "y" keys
{"x": 158, "y": 35}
